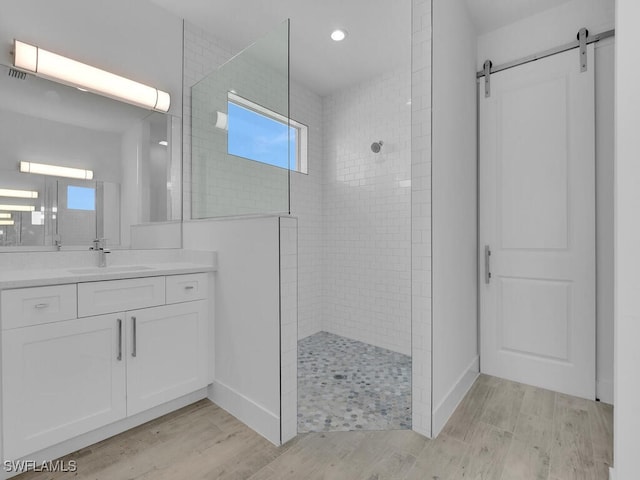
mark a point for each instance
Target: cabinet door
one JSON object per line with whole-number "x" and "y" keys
{"x": 167, "y": 353}
{"x": 60, "y": 380}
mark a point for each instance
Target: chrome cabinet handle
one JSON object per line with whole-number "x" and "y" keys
{"x": 134, "y": 351}
{"x": 487, "y": 264}
{"x": 40, "y": 306}
{"x": 189, "y": 287}
{"x": 119, "y": 340}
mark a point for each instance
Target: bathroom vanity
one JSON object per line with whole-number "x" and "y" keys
{"x": 88, "y": 352}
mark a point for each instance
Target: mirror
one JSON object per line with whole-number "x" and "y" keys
{"x": 133, "y": 156}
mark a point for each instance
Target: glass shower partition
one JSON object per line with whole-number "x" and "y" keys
{"x": 243, "y": 145}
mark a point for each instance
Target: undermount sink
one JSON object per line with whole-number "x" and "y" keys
{"x": 116, "y": 268}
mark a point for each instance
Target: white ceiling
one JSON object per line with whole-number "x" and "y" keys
{"x": 379, "y": 34}
{"x": 488, "y": 15}
{"x": 379, "y": 31}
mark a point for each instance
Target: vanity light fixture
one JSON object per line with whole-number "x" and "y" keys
{"x": 338, "y": 35}
{"x": 55, "y": 170}
{"x": 6, "y": 222}
{"x": 50, "y": 65}
{"x": 17, "y": 208}
{"x": 5, "y": 216}
{"x": 6, "y": 192}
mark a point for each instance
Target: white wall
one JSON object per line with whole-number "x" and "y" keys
{"x": 546, "y": 30}
{"x": 627, "y": 239}
{"x": 247, "y": 317}
{"x": 367, "y": 213}
{"x": 157, "y": 235}
{"x": 138, "y": 40}
{"x": 454, "y": 210}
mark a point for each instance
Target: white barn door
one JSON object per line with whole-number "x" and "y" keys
{"x": 537, "y": 220}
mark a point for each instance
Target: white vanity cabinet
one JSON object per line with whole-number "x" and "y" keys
{"x": 60, "y": 380}
{"x": 166, "y": 353}
{"x": 65, "y": 377}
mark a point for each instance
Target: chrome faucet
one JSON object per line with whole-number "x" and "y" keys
{"x": 100, "y": 245}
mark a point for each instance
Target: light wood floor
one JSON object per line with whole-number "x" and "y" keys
{"x": 501, "y": 430}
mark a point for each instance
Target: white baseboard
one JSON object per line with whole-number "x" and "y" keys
{"x": 604, "y": 391}
{"x": 612, "y": 474}
{"x": 95, "y": 436}
{"x": 447, "y": 406}
{"x": 247, "y": 411}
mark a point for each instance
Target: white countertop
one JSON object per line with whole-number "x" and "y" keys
{"x": 37, "y": 277}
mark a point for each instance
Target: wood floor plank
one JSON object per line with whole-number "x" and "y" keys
{"x": 503, "y": 406}
{"x": 572, "y": 455}
{"x": 539, "y": 402}
{"x": 531, "y": 439}
{"x": 526, "y": 461}
{"x": 485, "y": 459}
{"x": 392, "y": 466}
{"x": 440, "y": 459}
{"x": 534, "y": 431}
{"x": 405, "y": 441}
{"x": 465, "y": 419}
{"x": 265, "y": 473}
{"x": 601, "y": 423}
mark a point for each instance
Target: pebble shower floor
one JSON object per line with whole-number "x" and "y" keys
{"x": 345, "y": 384}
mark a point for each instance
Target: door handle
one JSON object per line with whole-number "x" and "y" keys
{"x": 119, "y": 339}
{"x": 487, "y": 264}
{"x": 134, "y": 350}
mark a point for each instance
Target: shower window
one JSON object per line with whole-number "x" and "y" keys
{"x": 260, "y": 134}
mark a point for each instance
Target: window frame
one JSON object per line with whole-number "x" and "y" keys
{"x": 302, "y": 131}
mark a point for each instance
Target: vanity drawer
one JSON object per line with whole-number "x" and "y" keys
{"x": 184, "y": 288}
{"x": 96, "y": 298}
{"x": 33, "y": 306}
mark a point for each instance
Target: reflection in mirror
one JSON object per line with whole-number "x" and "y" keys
{"x": 134, "y": 156}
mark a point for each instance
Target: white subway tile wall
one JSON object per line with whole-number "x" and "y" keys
{"x": 421, "y": 215}
{"x": 227, "y": 185}
{"x": 307, "y": 206}
{"x": 367, "y": 212}
{"x": 203, "y": 53}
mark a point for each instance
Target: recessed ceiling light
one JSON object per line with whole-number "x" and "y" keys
{"x": 338, "y": 35}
